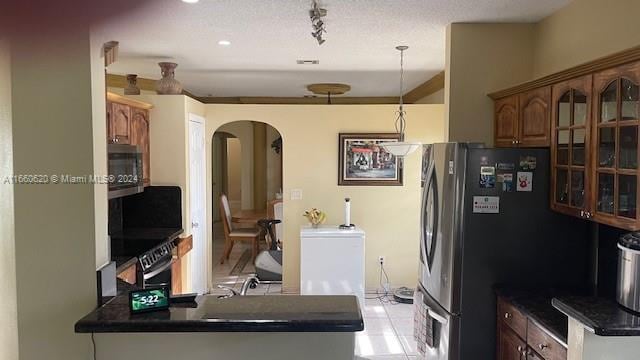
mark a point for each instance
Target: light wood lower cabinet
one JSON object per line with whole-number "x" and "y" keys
{"x": 129, "y": 274}
{"x": 184, "y": 246}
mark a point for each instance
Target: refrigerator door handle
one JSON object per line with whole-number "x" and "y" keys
{"x": 437, "y": 317}
{"x": 430, "y": 198}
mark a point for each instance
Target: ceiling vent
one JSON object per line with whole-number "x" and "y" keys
{"x": 307, "y": 62}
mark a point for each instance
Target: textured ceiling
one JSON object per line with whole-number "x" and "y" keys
{"x": 268, "y": 36}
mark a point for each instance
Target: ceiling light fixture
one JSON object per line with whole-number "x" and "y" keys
{"x": 190, "y": 1}
{"x": 224, "y": 42}
{"x": 401, "y": 148}
{"x": 316, "y": 14}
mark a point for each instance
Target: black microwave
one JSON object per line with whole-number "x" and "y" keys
{"x": 125, "y": 170}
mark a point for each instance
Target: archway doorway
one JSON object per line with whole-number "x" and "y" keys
{"x": 247, "y": 175}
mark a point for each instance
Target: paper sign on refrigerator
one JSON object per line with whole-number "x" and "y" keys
{"x": 486, "y": 204}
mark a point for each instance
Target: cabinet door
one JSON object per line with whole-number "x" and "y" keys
{"x": 140, "y": 137}
{"x": 531, "y": 355}
{"x": 570, "y": 141}
{"x": 506, "y": 122}
{"x": 176, "y": 277}
{"x": 120, "y": 126}
{"x": 615, "y": 167}
{"x": 535, "y": 118}
{"x": 510, "y": 346}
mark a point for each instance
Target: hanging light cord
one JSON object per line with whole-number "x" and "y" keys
{"x": 400, "y": 121}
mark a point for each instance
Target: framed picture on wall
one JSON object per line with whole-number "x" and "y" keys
{"x": 363, "y": 162}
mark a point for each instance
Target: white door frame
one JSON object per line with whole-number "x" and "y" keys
{"x": 197, "y": 206}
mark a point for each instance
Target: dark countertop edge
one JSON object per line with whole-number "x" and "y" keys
{"x": 589, "y": 324}
{"x": 570, "y": 312}
{"x": 219, "y": 326}
{"x": 512, "y": 298}
{"x": 550, "y": 331}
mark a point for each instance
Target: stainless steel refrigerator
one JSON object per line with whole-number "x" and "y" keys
{"x": 485, "y": 221}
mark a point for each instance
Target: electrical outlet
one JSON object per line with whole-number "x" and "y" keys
{"x": 381, "y": 260}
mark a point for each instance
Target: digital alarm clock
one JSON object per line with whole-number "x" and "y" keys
{"x": 149, "y": 300}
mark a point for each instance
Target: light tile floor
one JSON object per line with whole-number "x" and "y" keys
{"x": 221, "y": 271}
{"x": 388, "y": 333}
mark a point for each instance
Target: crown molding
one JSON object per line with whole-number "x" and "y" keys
{"x": 603, "y": 63}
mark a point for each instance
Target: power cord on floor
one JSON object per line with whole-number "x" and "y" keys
{"x": 385, "y": 297}
{"x": 93, "y": 341}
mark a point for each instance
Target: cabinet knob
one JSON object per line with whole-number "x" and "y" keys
{"x": 507, "y": 315}
{"x": 542, "y": 346}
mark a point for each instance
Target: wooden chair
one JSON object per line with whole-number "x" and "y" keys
{"x": 232, "y": 235}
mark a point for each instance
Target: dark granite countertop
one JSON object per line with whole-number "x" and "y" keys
{"x": 278, "y": 313}
{"x": 537, "y": 305}
{"x": 604, "y": 316}
{"x": 160, "y": 234}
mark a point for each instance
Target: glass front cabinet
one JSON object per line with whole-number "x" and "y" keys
{"x": 595, "y": 122}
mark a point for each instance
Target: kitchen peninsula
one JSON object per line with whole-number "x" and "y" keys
{"x": 276, "y": 327}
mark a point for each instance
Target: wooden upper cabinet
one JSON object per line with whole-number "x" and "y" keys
{"x": 128, "y": 123}
{"x": 119, "y": 124}
{"x": 615, "y": 123}
{"x": 506, "y": 121}
{"x": 534, "y": 118}
{"x": 140, "y": 137}
{"x": 571, "y": 146}
{"x": 523, "y": 120}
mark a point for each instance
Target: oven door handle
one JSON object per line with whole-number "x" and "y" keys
{"x": 157, "y": 271}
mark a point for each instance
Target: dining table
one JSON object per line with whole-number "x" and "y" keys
{"x": 248, "y": 217}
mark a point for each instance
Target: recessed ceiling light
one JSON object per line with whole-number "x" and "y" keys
{"x": 190, "y": 1}
{"x": 224, "y": 42}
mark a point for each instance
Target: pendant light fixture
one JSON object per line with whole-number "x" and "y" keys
{"x": 401, "y": 148}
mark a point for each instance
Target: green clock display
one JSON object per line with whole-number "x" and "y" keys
{"x": 149, "y": 300}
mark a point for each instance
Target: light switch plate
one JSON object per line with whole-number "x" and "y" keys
{"x": 296, "y": 194}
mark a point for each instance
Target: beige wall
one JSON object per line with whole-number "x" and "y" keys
{"x": 234, "y": 173}
{"x": 169, "y": 146}
{"x": 481, "y": 58}
{"x": 54, "y": 224}
{"x": 583, "y": 31}
{"x": 274, "y": 168}
{"x": 8, "y": 301}
{"x": 389, "y": 215}
{"x": 259, "y": 165}
{"x": 435, "y": 98}
{"x": 243, "y": 131}
{"x": 217, "y": 180}
{"x": 99, "y": 128}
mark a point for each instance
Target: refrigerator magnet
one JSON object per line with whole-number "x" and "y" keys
{"x": 507, "y": 182}
{"x": 487, "y": 177}
{"x": 506, "y": 166}
{"x": 528, "y": 162}
{"x": 525, "y": 181}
